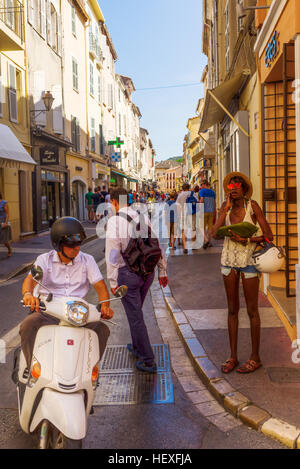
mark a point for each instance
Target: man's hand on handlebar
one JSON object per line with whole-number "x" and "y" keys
{"x": 106, "y": 312}
{"x": 32, "y": 301}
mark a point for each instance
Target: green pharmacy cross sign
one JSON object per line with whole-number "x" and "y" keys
{"x": 118, "y": 142}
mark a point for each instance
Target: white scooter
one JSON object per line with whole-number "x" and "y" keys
{"x": 56, "y": 394}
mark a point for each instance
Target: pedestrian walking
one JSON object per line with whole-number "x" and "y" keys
{"x": 188, "y": 213}
{"x": 236, "y": 262}
{"x": 120, "y": 233}
{"x": 130, "y": 198}
{"x": 171, "y": 218}
{"x": 96, "y": 198}
{"x": 89, "y": 204}
{"x": 5, "y": 228}
{"x": 208, "y": 197}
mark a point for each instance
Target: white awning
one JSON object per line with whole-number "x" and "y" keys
{"x": 212, "y": 111}
{"x": 11, "y": 148}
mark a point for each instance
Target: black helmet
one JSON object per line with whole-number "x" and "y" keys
{"x": 66, "y": 230}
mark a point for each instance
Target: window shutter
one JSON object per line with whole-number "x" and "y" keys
{"x": 58, "y": 20}
{"x": 75, "y": 73}
{"x": 48, "y": 5}
{"x": 43, "y": 18}
{"x": 30, "y": 11}
{"x": 99, "y": 88}
{"x": 73, "y": 20}
{"x": 57, "y": 110}
{"x": 12, "y": 94}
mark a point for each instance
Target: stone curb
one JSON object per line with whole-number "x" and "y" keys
{"x": 23, "y": 268}
{"x": 233, "y": 401}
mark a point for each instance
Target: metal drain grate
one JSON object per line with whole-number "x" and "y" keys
{"x": 118, "y": 359}
{"x": 134, "y": 388}
{"x": 121, "y": 383}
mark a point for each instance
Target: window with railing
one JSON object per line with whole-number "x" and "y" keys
{"x": 11, "y": 13}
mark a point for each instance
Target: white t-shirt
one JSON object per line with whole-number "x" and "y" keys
{"x": 73, "y": 279}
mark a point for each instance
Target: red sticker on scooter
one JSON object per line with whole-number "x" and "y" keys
{"x": 70, "y": 342}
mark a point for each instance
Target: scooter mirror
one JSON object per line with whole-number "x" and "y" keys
{"x": 121, "y": 291}
{"x": 37, "y": 273}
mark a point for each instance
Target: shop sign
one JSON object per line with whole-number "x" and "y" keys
{"x": 113, "y": 181}
{"x": 272, "y": 50}
{"x": 49, "y": 155}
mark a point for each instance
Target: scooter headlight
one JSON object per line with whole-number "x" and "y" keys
{"x": 77, "y": 313}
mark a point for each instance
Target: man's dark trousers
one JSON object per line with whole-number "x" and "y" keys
{"x": 133, "y": 304}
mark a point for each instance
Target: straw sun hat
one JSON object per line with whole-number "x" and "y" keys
{"x": 233, "y": 174}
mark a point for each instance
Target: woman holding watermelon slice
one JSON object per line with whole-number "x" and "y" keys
{"x": 237, "y": 261}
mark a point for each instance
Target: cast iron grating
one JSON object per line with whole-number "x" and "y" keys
{"x": 134, "y": 388}
{"x": 117, "y": 358}
{"x": 121, "y": 383}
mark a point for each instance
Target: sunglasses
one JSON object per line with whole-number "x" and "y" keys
{"x": 235, "y": 185}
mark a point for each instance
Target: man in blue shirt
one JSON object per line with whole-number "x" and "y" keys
{"x": 208, "y": 197}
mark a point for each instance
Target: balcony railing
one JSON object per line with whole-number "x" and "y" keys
{"x": 11, "y": 14}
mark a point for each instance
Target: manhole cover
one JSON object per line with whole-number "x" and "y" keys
{"x": 121, "y": 383}
{"x": 284, "y": 375}
{"x": 134, "y": 388}
{"x": 118, "y": 359}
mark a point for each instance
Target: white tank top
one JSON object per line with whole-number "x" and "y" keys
{"x": 235, "y": 254}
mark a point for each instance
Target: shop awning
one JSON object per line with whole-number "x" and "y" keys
{"x": 219, "y": 99}
{"x": 124, "y": 176}
{"x": 11, "y": 148}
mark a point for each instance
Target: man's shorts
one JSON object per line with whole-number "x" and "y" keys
{"x": 208, "y": 220}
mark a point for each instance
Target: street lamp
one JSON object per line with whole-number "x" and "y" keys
{"x": 48, "y": 101}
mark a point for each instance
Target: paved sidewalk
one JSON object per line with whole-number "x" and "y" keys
{"x": 197, "y": 301}
{"x": 26, "y": 250}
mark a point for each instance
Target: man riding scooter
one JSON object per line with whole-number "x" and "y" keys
{"x": 66, "y": 272}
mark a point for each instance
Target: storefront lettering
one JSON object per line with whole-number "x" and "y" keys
{"x": 272, "y": 49}
{"x": 49, "y": 155}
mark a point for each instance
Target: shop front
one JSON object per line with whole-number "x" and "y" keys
{"x": 51, "y": 195}
{"x": 278, "y": 49}
{"x": 79, "y": 184}
{"x": 16, "y": 169}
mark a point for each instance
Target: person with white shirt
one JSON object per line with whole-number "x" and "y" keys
{"x": 66, "y": 272}
{"x": 118, "y": 235}
{"x": 184, "y": 219}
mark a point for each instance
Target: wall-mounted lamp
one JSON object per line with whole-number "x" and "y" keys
{"x": 48, "y": 101}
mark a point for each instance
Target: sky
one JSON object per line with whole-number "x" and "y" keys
{"x": 158, "y": 43}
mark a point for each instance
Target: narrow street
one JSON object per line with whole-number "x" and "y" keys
{"x": 142, "y": 425}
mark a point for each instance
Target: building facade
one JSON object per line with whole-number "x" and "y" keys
{"x": 16, "y": 164}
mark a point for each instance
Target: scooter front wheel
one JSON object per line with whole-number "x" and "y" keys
{"x": 52, "y": 438}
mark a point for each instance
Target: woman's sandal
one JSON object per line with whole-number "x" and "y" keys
{"x": 9, "y": 252}
{"x": 229, "y": 365}
{"x": 249, "y": 366}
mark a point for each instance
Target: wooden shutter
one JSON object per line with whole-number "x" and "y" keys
{"x": 58, "y": 24}
{"x": 30, "y": 11}
{"x": 48, "y": 9}
{"x": 73, "y": 132}
{"x": 43, "y": 18}
{"x": 12, "y": 94}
